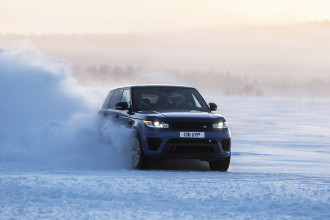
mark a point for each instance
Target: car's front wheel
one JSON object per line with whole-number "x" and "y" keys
{"x": 220, "y": 165}
{"x": 138, "y": 158}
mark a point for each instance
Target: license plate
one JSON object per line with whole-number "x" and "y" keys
{"x": 184, "y": 134}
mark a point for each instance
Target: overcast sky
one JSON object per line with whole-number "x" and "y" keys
{"x": 122, "y": 16}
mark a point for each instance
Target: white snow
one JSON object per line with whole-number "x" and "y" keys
{"x": 52, "y": 165}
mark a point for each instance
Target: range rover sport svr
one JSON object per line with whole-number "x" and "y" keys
{"x": 170, "y": 122}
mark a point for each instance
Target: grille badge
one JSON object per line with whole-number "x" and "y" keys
{"x": 204, "y": 126}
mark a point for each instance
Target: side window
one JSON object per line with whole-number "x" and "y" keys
{"x": 116, "y": 98}
{"x": 126, "y": 97}
{"x": 197, "y": 104}
{"x": 107, "y": 100}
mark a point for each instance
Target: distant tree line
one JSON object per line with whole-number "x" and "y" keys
{"x": 225, "y": 83}
{"x": 219, "y": 82}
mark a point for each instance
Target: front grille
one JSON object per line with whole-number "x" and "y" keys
{"x": 191, "y": 146}
{"x": 192, "y": 126}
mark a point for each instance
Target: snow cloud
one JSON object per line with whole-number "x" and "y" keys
{"x": 48, "y": 119}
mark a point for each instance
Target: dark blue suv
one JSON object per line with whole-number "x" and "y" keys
{"x": 170, "y": 122}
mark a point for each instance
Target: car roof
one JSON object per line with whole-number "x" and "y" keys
{"x": 153, "y": 85}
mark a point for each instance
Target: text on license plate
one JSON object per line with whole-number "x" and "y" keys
{"x": 184, "y": 134}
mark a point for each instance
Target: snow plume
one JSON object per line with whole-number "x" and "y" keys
{"x": 47, "y": 119}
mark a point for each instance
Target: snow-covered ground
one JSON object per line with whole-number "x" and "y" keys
{"x": 55, "y": 169}
{"x": 280, "y": 169}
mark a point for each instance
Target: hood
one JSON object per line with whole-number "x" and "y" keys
{"x": 187, "y": 114}
{"x": 182, "y": 115}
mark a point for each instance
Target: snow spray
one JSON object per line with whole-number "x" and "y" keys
{"x": 48, "y": 119}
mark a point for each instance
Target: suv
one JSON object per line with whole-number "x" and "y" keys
{"x": 170, "y": 122}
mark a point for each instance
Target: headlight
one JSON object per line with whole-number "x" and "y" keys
{"x": 155, "y": 124}
{"x": 221, "y": 124}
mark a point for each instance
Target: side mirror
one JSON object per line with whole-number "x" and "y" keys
{"x": 213, "y": 106}
{"x": 122, "y": 105}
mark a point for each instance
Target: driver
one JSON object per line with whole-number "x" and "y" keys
{"x": 175, "y": 99}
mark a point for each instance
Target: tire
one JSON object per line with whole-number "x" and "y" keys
{"x": 220, "y": 165}
{"x": 138, "y": 159}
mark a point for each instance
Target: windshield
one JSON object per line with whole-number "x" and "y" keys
{"x": 168, "y": 98}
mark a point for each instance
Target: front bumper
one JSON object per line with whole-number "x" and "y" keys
{"x": 166, "y": 143}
